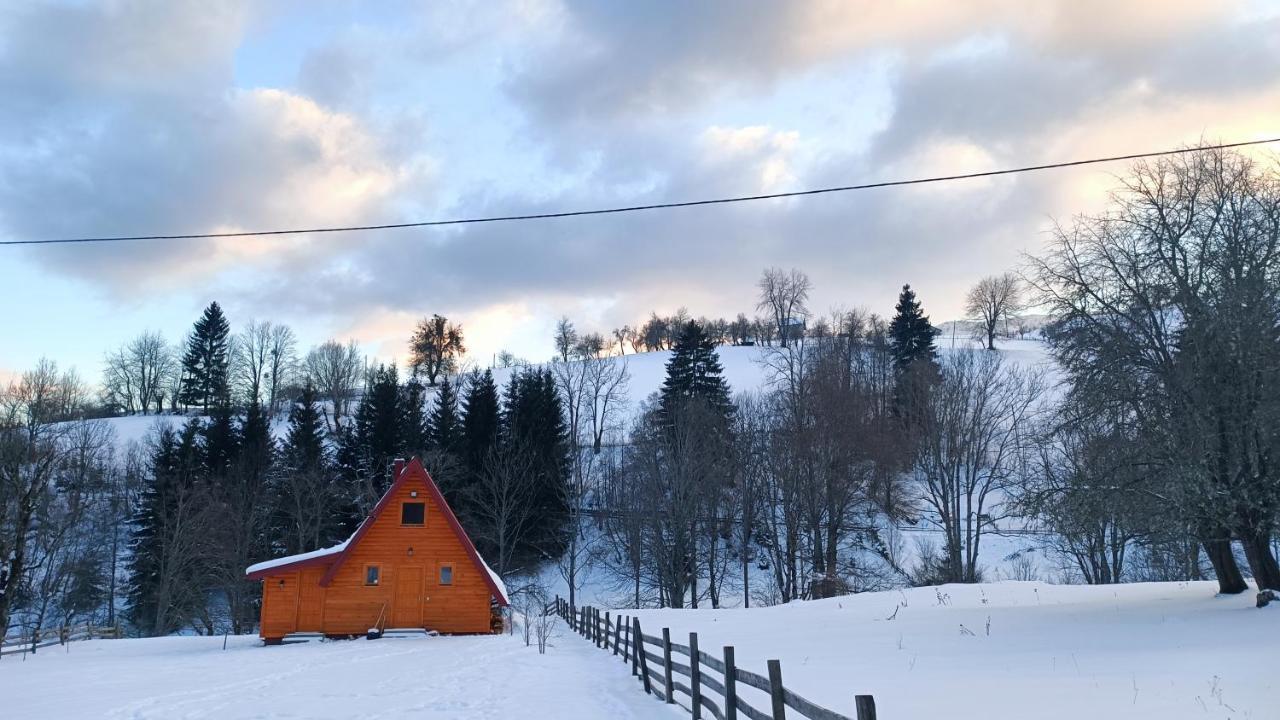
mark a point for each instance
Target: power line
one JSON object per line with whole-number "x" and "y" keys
{"x": 638, "y": 208}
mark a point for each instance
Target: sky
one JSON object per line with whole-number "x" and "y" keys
{"x": 183, "y": 116}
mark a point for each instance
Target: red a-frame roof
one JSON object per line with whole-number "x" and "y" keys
{"x": 334, "y": 557}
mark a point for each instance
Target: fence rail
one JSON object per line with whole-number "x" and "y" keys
{"x": 32, "y": 641}
{"x": 653, "y": 662}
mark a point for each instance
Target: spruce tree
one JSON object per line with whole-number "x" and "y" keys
{"x": 167, "y": 565}
{"x": 205, "y": 363}
{"x": 694, "y": 373}
{"x": 378, "y": 430}
{"x": 413, "y": 423}
{"x": 480, "y": 420}
{"x": 303, "y": 485}
{"x": 444, "y": 431}
{"x": 533, "y": 423}
{"x": 911, "y": 335}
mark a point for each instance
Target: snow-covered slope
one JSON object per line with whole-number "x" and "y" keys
{"x": 179, "y": 678}
{"x": 1003, "y": 651}
{"x": 1012, "y": 651}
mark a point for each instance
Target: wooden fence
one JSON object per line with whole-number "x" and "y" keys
{"x": 33, "y": 640}
{"x": 654, "y": 661}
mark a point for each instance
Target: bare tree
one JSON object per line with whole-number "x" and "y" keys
{"x": 435, "y": 348}
{"x": 251, "y": 358}
{"x": 34, "y": 433}
{"x": 135, "y": 374}
{"x": 281, "y": 365}
{"x": 335, "y": 370}
{"x": 502, "y": 502}
{"x": 783, "y": 295}
{"x": 994, "y": 299}
{"x": 974, "y": 428}
{"x": 622, "y": 336}
{"x": 566, "y": 338}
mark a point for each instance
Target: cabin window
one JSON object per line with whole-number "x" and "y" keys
{"x": 413, "y": 513}
{"x": 446, "y": 574}
{"x": 371, "y": 575}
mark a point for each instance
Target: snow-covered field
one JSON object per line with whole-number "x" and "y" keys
{"x": 1166, "y": 651}
{"x": 1163, "y": 651}
{"x": 176, "y": 678}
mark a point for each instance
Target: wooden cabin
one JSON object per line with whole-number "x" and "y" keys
{"x": 408, "y": 565}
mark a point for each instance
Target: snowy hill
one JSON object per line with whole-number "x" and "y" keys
{"x": 1155, "y": 650}
{"x": 1169, "y": 651}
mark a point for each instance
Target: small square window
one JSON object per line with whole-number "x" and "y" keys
{"x": 413, "y": 513}
{"x": 371, "y": 575}
{"x": 446, "y": 574}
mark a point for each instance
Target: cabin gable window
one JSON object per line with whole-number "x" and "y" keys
{"x": 446, "y": 574}
{"x": 413, "y": 513}
{"x": 372, "y": 574}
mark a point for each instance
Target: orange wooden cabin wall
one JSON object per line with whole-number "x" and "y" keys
{"x": 409, "y": 586}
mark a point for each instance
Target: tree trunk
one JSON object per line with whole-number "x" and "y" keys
{"x": 1218, "y": 550}
{"x": 1262, "y": 563}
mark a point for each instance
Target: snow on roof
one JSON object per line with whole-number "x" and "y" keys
{"x": 497, "y": 581}
{"x": 278, "y": 562}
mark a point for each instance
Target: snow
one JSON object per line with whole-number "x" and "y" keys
{"x": 181, "y": 678}
{"x": 1163, "y": 651}
{"x": 322, "y": 552}
{"x": 497, "y": 579}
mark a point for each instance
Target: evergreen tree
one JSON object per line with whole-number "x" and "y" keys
{"x": 480, "y": 420}
{"x": 303, "y": 484}
{"x": 911, "y": 335}
{"x": 205, "y": 363}
{"x": 378, "y": 434}
{"x": 533, "y": 423}
{"x": 444, "y": 431}
{"x": 694, "y": 373}
{"x": 167, "y": 561}
{"x": 413, "y": 423}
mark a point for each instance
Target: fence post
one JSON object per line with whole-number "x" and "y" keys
{"x": 775, "y": 690}
{"x": 617, "y": 634}
{"x": 599, "y": 631}
{"x": 866, "y": 706}
{"x": 631, "y": 646}
{"x": 644, "y": 665}
{"x": 606, "y": 629}
{"x": 730, "y": 685}
{"x": 695, "y": 676}
{"x": 668, "y": 686}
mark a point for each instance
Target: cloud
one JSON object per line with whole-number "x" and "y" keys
{"x": 573, "y": 104}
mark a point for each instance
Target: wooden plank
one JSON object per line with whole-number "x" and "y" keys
{"x": 866, "y": 707}
{"x": 711, "y": 661}
{"x": 681, "y": 668}
{"x": 752, "y": 713}
{"x": 709, "y": 704}
{"x": 809, "y": 709}
{"x": 730, "y": 685}
{"x": 644, "y": 674}
{"x": 752, "y": 679}
{"x": 666, "y": 662}
{"x": 695, "y": 677}
{"x": 775, "y": 691}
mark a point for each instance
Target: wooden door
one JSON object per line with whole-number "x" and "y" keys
{"x": 407, "y": 610}
{"x": 311, "y": 601}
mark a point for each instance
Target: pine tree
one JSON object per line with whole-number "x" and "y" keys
{"x": 168, "y": 563}
{"x": 444, "y": 431}
{"x": 694, "y": 373}
{"x": 413, "y": 423}
{"x": 378, "y": 432}
{"x": 911, "y": 335}
{"x": 533, "y": 423}
{"x": 303, "y": 485}
{"x": 205, "y": 363}
{"x": 480, "y": 420}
